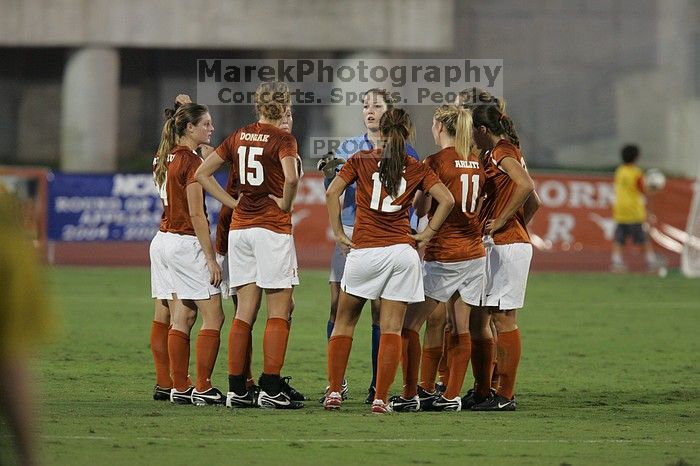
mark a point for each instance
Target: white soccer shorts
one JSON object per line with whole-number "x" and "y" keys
{"x": 389, "y": 272}
{"x": 161, "y": 285}
{"x": 338, "y": 259}
{"x": 260, "y": 256}
{"x": 187, "y": 267}
{"x": 507, "y": 269}
{"x": 442, "y": 279}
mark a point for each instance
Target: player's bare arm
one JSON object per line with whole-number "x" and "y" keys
{"x": 524, "y": 186}
{"x": 205, "y": 177}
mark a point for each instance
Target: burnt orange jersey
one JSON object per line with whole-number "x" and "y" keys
{"x": 382, "y": 220}
{"x": 459, "y": 237}
{"x": 255, "y": 153}
{"x": 161, "y": 194}
{"x": 499, "y": 188}
{"x": 224, "y": 223}
{"x": 182, "y": 163}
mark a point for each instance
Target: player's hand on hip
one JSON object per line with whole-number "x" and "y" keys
{"x": 422, "y": 238}
{"x": 215, "y": 272}
{"x": 494, "y": 224}
{"x": 344, "y": 243}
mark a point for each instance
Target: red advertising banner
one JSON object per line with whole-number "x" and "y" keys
{"x": 572, "y": 231}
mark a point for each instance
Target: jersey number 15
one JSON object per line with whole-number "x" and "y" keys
{"x": 250, "y": 170}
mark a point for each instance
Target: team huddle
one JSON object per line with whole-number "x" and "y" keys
{"x": 443, "y": 240}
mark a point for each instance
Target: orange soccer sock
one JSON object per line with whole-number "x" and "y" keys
{"x": 508, "y": 348}
{"x": 459, "y": 349}
{"x": 483, "y": 352}
{"x": 248, "y": 368}
{"x": 275, "y": 345}
{"x": 338, "y": 355}
{"x": 179, "y": 351}
{"x": 410, "y": 362}
{"x": 207, "y": 349}
{"x": 238, "y": 342}
{"x": 444, "y": 366}
{"x": 387, "y": 363}
{"x": 159, "y": 349}
{"x": 430, "y": 360}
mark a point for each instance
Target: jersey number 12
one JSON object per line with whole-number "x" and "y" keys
{"x": 387, "y": 203}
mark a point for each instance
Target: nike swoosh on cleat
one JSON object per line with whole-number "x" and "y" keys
{"x": 503, "y": 405}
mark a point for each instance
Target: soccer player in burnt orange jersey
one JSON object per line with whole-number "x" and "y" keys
{"x": 161, "y": 291}
{"x": 189, "y": 255}
{"x": 221, "y": 246}
{"x": 382, "y": 261}
{"x": 454, "y": 260}
{"x": 261, "y": 253}
{"x": 509, "y": 206}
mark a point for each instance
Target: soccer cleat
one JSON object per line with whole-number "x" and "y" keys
{"x": 181, "y": 398}
{"x": 213, "y": 396}
{"x": 379, "y": 407}
{"x": 279, "y": 401}
{"x": 440, "y": 388}
{"x": 333, "y": 401}
{"x": 471, "y": 398}
{"x": 161, "y": 394}
{"x": 440, "y": 403}
{"x": 234, "y": 400}
{"x": 293, "y": 394}
{"x": 402, "y": 405}
{"x": 426, "y": 398}
{"x": 343, "y": 391}
{"x": 371, "y": 391}
{"x": 496, "y": 403}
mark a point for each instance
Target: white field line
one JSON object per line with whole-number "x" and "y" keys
{"x": 374, "y": 440}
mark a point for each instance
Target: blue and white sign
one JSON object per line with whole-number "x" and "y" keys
{"x": 119, "y": 207}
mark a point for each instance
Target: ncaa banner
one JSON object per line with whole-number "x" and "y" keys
{"x": 118, "y": 207}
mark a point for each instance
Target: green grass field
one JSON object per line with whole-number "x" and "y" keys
{"x": 609, "y": 375}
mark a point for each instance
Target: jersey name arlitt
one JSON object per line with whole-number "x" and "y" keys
{"x": 466, "y": 164}
{"x": 254, "y": 137}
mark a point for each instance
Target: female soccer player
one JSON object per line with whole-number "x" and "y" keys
{"x": 261, "y": 253}
{"x": 221, "y": 246}
{"x": 162, "y": 291}
{"x": 509, "y": 206}
{"x": 454, "y": 260}
{"x": 375, "y": 102}
{"x": 382, "y": 261}
{"x": 189, "y": 255}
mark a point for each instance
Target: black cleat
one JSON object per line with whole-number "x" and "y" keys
{"x": 293, "y": 394}
{"x": 161, "y": 394}
{"x": 371, "y": 391}
{"x": 245, "y": 400}
{"x": 471, "y": 398}
{"x": 496, "y": 403}
{"x": 279, "y": 401}
{"x": 440, "y": 403}
{"x": 440, "y": 388}
{"x": 402, "y": 405}
{"x": 426, "y": 398}
{"x": 213, "y": 396}
{"x": 181, "y": 398}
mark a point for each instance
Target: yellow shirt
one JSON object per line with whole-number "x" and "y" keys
{"x": 629, "y": 200}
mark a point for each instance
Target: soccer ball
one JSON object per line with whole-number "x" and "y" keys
{"x": 654, "y": 179}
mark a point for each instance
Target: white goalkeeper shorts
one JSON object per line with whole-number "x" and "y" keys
{"x": 338, "y": 259}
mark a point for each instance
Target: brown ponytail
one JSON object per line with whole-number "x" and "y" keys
{"x": 395, "y": 126}
{"x": 174, "y": 127}
{"x": 498, "y": 123}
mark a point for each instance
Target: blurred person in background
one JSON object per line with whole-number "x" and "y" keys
{"x": 25, "y": 321}
{"x": 382, "y": 258}
{"x": 190, "y": 260}
{"x": 261, "y": 251}
{"x": 375, "y": 102}
{"x": 630, "y": 212}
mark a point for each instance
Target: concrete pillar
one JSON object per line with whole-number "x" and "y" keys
{"x": 90, "y": 110}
